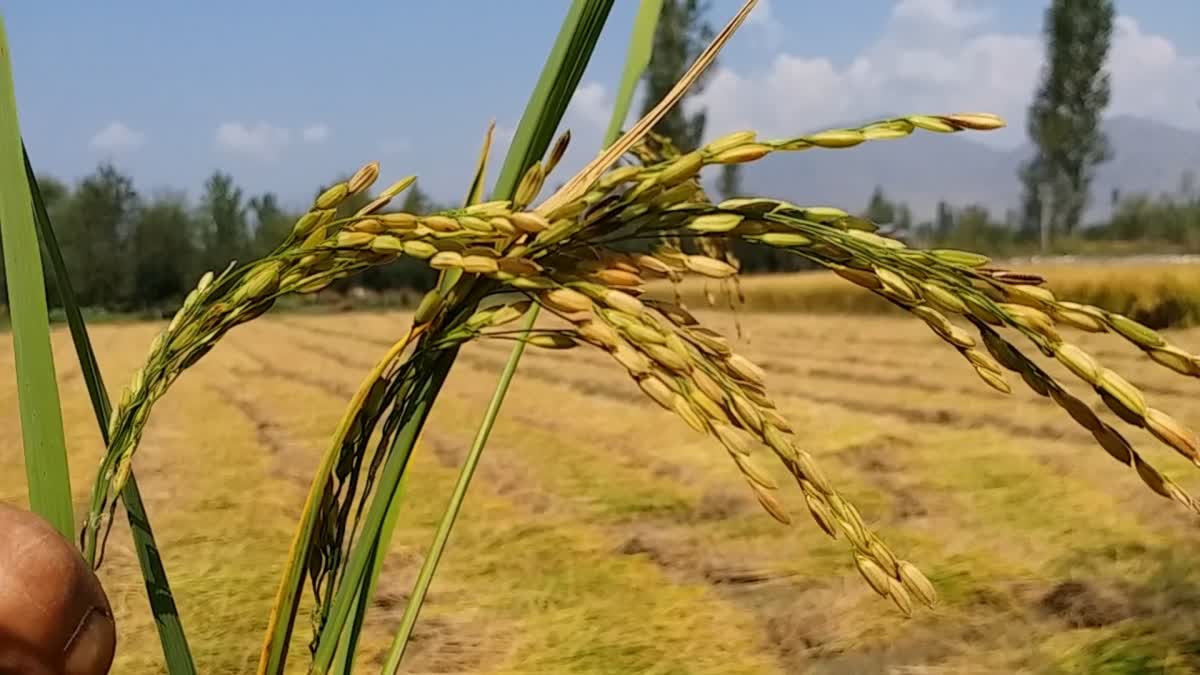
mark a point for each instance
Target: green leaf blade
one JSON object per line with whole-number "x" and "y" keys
{"x": 641, "y": 47}
{"x": 46, "y": 465}
{"x": 560, "y": 76}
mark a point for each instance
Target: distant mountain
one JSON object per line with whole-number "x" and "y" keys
{"x": 926, "y": 168}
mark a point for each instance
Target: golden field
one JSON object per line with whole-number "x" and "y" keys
{"x": 602, "y": 535}
{"x": 1157, "y": 292}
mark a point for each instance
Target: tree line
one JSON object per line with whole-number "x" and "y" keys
{"x": 1139, "y": 223}
{"x": 130, "y": 251}
{"x": 127, "y": 251}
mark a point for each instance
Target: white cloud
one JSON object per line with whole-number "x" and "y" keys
{"x": 952, "y": 15}
{"x": 938, "y": 56}
{"x": 259, "y": 140}
{"x": 1150, "y": 78}
{"x": 316, "y": 133}
{"x": 591, "y": 105}
{"x": 762, "y": 18}
{"x": 587, "y": 118}
{"x": 116, "y": 137}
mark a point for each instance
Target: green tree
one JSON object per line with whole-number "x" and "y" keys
{"x": 1030, "y": 175}
{"x": 415, "y": 200}
{"x": 93, "y": 229}
{"x": 225, "y": 233}
{"x": 973, "y": 227}
{"x": 681, "y": 35}
{"x": 164, "y": 251}
{"x": 879, "y": 208}
{"x": 1165, "y": 219}
{"x": 1187, "y": 185}
{"x": 729, "y": 183}
{"x": 1065, "y": 116}
{"x": 55, "y": 194}
{"x": 271, "y": 223}
{"x": 902, "y": 224}
{"x": 943, "y": 223}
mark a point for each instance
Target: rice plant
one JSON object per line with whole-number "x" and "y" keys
{"x": 583, "y": 256}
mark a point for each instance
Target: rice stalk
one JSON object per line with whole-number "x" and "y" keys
{"x": 492, "y": 316}
{"x": 316, "y": 521}
{"x": 429, "y": 566}
{"x": 176, "y": 652}
{"x": 347, "y": 643}
{"x": 401, "y": 430}
{"x": 457, "y": 294}
{"x": 636, "y": 62}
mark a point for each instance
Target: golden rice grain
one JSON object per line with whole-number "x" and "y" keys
{"x": 683, "y": 408}
{"x": 445, "y": 260}
{"x": 657, "y": 390}
{"x": 747, "y": 152}
{"x": 876, "y": 578}
{"x": 599, "y": 333}
{"x": 332, "y": 196}
{"x": 681, "y": 169}
{"x": 551, "y": 341}
{"x": 916, "y": 583}
{"x": 771, "y": 505}
{"x": 709, "y": 267}
{"x": 1122, "y": 391}
{"x": 746, "y": 369}
{"x": 728, "y": 141}
{"x": 566, "y": 300}
{"x": 1168, "y": 430}
{"x": 419, "y": 249}
{"x": 899, "y": 596}
{"x": 734, "y": 440}
{"x": 752, "y": 471}
{"x": 1079, "y": 362}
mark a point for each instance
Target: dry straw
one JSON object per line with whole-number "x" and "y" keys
{"x": 566, "y": 256}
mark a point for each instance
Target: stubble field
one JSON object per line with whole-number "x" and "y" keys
{"x": 602, "y": 535}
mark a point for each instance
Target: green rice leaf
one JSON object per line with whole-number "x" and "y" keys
{"x": 560, "y": 76}
{"x": 41, "y": 414}
{"x": 641, "y": 46}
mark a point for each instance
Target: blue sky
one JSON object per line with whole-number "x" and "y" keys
{"x": 287, "y": 95}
